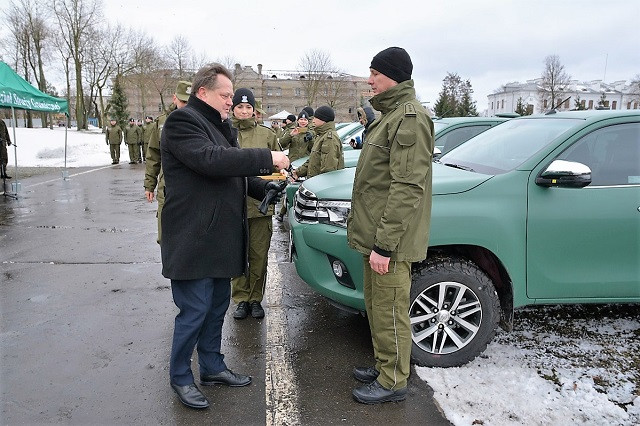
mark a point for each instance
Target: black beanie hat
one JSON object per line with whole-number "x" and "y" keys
{"x": 291, "y": 118}
{"x": 325, "y": 113}
{"x": 309, "y": 111}
{"x": 303, "y": 114}
{"x": 243, "y": 95}
{"x": 394, "y": 62}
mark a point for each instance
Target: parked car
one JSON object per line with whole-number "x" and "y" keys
{"x": 451, "y": 132}
{"x": 538, "y": 210}
{"x": 447, "y": 132}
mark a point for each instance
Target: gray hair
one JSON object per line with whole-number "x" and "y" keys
{"x": 207, "y": 76}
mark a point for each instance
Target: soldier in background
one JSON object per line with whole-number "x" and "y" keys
{"x": 153, "y": 176}
{"x": 131, "y": 139}
{"x": 141, "y": 155}
{"x": 326, "y": 154}
{"x": 146, "y": 134}
{"x": 114, "y": 139}
{"x": 5, "y": 141}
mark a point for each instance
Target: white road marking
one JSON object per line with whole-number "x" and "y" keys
{"x": 281, "y": 389}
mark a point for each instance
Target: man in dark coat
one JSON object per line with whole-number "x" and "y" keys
{"x": 204, "y": 225}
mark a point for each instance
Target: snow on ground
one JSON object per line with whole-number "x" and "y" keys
{"x": 560, "y": 365}
{"x": 45, "y": 148}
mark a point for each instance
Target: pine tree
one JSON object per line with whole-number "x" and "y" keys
{"x": 466, "y": 106}
{"x": 118, "y": 104}
{"x": 455, "y": 98}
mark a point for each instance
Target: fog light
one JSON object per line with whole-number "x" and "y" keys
{"x": 338, "y": 268}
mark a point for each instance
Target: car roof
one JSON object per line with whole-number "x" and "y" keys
{"x": 455, "y": 120}
{"x": 585, "y": 114}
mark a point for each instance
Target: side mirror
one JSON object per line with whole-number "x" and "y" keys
{"x": 437, "y": 152}
{"x": 565, "y": 174}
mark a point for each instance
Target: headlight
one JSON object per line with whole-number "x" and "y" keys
{"x": 334, "y": 212}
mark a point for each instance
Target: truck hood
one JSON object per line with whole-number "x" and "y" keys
{"x": 338, "y": 185}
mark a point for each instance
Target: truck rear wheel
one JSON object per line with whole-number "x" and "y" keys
{"x": 454, "y": 312}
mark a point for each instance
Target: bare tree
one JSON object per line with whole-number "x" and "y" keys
{"x": 179, "y": 53}
{"x": 315, "y": 66}
{"x": 75, "y": 19}
{"x": 554, "y": 82}
{"x": 336, "y": 90}
{"x": 22, "y": 46}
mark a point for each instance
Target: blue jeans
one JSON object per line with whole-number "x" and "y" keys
{"x": 203, "y": 304}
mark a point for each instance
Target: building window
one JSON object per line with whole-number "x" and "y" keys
{"x": 582, "y": 103}
{"x": 591, "y": 104}
{"x": 544, "y": 105}
{"x": 491, "y": 105}
{"x": 614, "y": 105}
{"x": 566, "y": 104}
{"x": 502, "y": 107}
{"x": 629, "y": 105}
{"x": 635, "y": 105}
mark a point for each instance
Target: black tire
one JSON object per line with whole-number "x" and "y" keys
{"x": 454, "y": 312}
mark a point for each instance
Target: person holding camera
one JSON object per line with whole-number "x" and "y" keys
{"x": 326, "y": 153}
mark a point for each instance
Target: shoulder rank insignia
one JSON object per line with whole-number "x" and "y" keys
{"x": 409, "y": 110}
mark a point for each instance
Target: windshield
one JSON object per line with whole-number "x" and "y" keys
{"x": 504, "y": 147}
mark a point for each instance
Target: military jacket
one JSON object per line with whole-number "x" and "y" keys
{"x": 391, "y": 200}
{"x": 113, "y": 135}
{"x": 131, "y": 134}
{"x": 298, "y": 146}
{"x": 153, "y": 172}
{"x": 253, "y": 135}
{"x": 326, "y": 154}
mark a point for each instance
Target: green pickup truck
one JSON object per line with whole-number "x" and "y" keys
{"x": 538, "y": 210}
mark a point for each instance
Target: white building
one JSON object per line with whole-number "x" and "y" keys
{"x": 618, "y": 95}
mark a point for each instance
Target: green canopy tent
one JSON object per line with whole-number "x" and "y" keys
{"x": 18, "y": 93}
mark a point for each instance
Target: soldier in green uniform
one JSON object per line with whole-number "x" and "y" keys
{"x": 326, "y": 154}
{"x": 131, "y": 139}
{"x": 153, "y": 176}
{"x": 146, "y": 134}
{"x": 114, "y": 139}
{"x": 5, "y": 141}
{"x": 248, "y": 290}
{"x": 299, "y": 141}
{"x": 389, "y": 220}
{"x": 139, "y": 151}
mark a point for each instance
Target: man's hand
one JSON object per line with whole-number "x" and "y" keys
{"x": 149, "y": 195}
{"x": 379, "y": 264}
{"x": 280, "y": 160}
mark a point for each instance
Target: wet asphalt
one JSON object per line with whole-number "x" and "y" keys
{"x": 86, "y": 322}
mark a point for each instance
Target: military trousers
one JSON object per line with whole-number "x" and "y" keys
{"x": 144, "y": 151}
{"x": 4, "y": 154}
{"x": 251, "y": 289}
{"x": 386, "y": 299}
{"x": 134, "y": 152}
{"x": 114, "y": 150}
{"x": 160, "y": 198}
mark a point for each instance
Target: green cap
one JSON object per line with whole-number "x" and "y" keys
{"x": 183, "y": 90}
{"x": 259, "y": 107}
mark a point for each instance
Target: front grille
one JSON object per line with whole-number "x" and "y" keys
{"x": 306, "y": 206}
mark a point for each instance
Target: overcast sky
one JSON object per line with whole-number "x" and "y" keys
{"x": 489, "y": 42}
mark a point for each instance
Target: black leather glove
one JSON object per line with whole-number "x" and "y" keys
{"x": 308, "y": 136}
{"x": 272, "y": 194}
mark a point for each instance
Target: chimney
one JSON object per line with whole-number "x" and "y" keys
{"x": 260, "y": 70}
{"x": 237, "y": 70}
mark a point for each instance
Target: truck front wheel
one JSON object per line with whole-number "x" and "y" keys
{"x": 454, "y": 312}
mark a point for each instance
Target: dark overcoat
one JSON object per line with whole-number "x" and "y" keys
{"x": 207, "y": 178}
